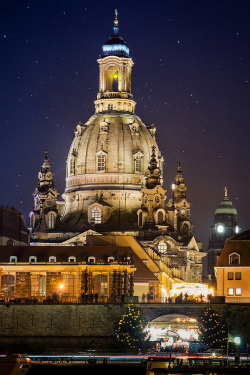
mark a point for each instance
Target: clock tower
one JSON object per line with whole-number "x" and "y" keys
{"x": 225, "y": 225}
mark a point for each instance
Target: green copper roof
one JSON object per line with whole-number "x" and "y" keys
{"x": 226, "y": 207}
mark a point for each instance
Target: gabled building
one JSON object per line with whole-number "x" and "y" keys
{"x": 233, "y": 269}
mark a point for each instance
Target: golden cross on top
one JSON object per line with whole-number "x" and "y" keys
{"x": 225, "y": 191}
{"x": 116, "y": 19}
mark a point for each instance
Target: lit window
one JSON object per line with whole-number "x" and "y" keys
{"x": 238, "y": 291}
{"x": 230, "y": 276}
{"x": 51, "y": 221}
{"x": 237, "y": 275}
{"x": 100, "y": 285}
{"x": 162, "y": 247}
{"x": 230, "y": 291}
{"x": 138, "y": 163}
{"x": 37, "y": 285}
{"x": 7, "y": 285}
{"x": 96, "y": 215}
{"x": 52, "y": 259}
{"x": 13, "y": 259}
{"x": 101, "y": 162}
{"x": 72, "y": 259}
{"x": 234, "y": 259}
{"x": 32, "y": 259}
{"x": 69, "y": 285}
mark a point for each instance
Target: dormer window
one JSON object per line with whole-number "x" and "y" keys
{"x": 101, "y": 160}
{"x": 32, "y": 259}
{"x": 51, "y": 221}
{"x": 52, "y": 259}
{"x": 13, "y": 259}
{"x": 162, "y": 247}
{"x": 234, "y": 258}
{"x": 138, "y": 162}
{"x": 96, "y": 215}
{"x": 91, "y": 260}
{"x": 111, "y": 259}
{"x": 72, "y": 259}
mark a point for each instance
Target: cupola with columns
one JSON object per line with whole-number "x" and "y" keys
{"x": 115, "y": 67}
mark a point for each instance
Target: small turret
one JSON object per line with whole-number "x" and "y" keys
{"x": 44, "y": 214}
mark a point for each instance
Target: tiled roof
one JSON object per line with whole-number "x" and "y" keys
{"x": 239, "y": 244}
{"x": 62, "y": 253}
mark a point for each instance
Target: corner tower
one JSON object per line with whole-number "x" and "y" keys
{"x": 110, "y": 152}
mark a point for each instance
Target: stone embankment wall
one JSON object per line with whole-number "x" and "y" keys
{"x": 95, "y": 323}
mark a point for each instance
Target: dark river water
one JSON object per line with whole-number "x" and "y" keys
{"x": 88, "y": 370}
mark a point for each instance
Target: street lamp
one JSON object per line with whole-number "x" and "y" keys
{"x": 61, "y": 286}
{"x": 237, "y": 353}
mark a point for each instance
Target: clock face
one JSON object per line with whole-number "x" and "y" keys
{"x": 183, "y": 211}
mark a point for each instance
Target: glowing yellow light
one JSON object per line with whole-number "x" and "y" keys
{"x": 115, "y": 76}
{"x": 61, "y": 286}
{"x": 173, "y": 186}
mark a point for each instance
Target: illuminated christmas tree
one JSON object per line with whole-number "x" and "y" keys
{"x": 213, "y": 330}
{"x": 130, "y": 331}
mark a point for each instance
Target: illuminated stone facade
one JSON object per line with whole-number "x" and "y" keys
{"x": 114, "y": 177}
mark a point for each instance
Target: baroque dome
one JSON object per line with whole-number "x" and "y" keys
{"x": 109, "y": 155}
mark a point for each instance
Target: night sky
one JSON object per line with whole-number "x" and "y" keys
{"x": 191, "y": 79}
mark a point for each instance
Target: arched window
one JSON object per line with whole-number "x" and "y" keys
{"x": 160, "y": 218}
{"x": 162, "y": 247}
{"x": 100, "y": 285}
{"x": 234, "y": 259}
{"x": 32, "y": 259}
{"x": 52, "y": 259}
{"x": 13, "y": 259}
{"x": 51, "y": 221}
{"x": 140, "y": 220}
{"x": 101, "y": 162}
{"x": 138, "y": 163}
{"x": 96, "y": 215}
{"x": 37, "y": 285}
{"x": 7, "y": 285}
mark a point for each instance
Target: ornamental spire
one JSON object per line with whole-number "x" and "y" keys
{"x": 225, "y": 189}
{"x": 116, "y": 28}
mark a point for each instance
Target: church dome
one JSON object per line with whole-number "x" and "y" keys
{"x": 109, "y": 154}
{"x": 226, "y": 207}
